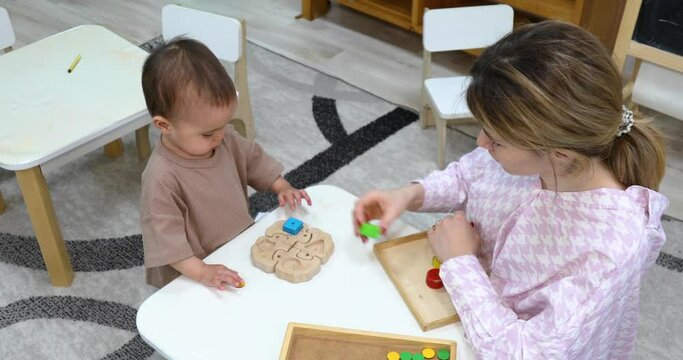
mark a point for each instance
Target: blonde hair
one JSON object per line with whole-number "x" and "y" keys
{"x": 552, "y": 85}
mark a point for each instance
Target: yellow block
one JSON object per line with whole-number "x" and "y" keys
{"x": 436, "y": 263}
{"x": 393, "y": 356}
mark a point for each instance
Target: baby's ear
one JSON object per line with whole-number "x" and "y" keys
{"x": 161, "y": 123}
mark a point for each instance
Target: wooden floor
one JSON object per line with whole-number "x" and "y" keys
{"x": 360, "y": 50}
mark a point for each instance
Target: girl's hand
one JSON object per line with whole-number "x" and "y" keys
{"x": 385, "y": 205}
{"x": 453, "y": 236}
{"x": 218, "y": 276}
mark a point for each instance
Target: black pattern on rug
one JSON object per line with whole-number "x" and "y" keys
{"x": 91, "y": 255}
{"x": 100, "y": 312}
{"x": 343, "y": 150}
{"x": 670, "y": 262}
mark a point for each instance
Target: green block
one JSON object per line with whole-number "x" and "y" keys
{"x": 443, "y": 354}
{"x": 369, "y": 230}
{"x": 405, "y": 355}
{"x": 418, "y": 356}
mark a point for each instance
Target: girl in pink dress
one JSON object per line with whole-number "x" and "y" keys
{"x": 555, "y": 218}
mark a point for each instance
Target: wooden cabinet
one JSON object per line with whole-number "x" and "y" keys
{"x": 601, "y": 17}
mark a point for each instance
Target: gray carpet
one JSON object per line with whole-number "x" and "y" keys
{"x": 322, "y": 130}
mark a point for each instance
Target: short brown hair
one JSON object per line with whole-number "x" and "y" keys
{"x": 553, "y": 85}
{"x": 180, "y": 68}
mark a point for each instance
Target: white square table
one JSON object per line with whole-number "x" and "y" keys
{"x": 187, "y": 320}
{"x": 50, "y": 117}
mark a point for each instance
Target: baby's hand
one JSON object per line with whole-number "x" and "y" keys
{"x": 292, "y": 196}
{"x": 287, "y": 194}
{"x": 218, "y": 276}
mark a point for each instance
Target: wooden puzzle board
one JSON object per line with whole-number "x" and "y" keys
{"x": 313, "y": 342}
{"x": 406, "y": 260}
{"x": 295, "y": 258}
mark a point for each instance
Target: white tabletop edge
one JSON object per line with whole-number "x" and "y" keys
{"x": 72, "y": 146}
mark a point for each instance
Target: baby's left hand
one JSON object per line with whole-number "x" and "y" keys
{"x": 287, "y": 194}
{"x": 453, "y": 236}
{"x": 292, "y": 196}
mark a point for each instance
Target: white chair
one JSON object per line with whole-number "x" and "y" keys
{"x": 7, "y": 38}
{"x": 227, "y": 39}
{"x": 660, "y": 89}
{"x": 451, "y": 29}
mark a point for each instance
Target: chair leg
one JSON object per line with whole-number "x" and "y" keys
{"x": 243, "y": 119}
{"x": 426, "y": 110}
{"x": 311, "y": 9}
{"x": 244, "y": 128}
{"x": 627, "y": 90}
{"x": 142, "y": 141}
{"x": 426, "y": 116}
{"x": 45, "y": 225}
{"x": 2, "y": 204}
{"x": 441, "y": 140}
{"x": 114, "y": 149}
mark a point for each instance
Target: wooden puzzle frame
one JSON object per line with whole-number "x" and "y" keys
{"x": 406, "y": 260}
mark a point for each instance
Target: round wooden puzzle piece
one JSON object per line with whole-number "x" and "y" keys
{"x": 295, "y": 258}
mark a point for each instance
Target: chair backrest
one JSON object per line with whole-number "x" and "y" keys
{"x": 7, "y": 37}
{"x": 660, "y": 89}
{"x": 221, "y": 34}
{"x": 463, "y": 28}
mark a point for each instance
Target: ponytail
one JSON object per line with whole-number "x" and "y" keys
{"x": 638, "y": 156}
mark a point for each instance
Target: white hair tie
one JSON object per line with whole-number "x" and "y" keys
{"x": 626, "y": 121}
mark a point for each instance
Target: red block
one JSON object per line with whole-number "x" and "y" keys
{"x": 433, "y": 279}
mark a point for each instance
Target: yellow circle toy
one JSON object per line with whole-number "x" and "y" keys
{"x": 429, "y": 353}
{"x": 393, "y": 356}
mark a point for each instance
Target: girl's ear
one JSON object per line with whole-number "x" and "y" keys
{"x": 162, "y": 124}
{"x": 562, "y": 156}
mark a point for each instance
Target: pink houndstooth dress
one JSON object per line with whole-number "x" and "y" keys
{"x": 559, "y": 274}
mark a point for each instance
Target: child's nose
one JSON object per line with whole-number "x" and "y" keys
{"x": 484, "y": 141}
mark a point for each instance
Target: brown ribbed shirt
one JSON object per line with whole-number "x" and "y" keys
{"x": 191, "y": 207}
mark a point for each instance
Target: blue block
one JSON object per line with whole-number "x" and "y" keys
{"x": 292, "y": 226}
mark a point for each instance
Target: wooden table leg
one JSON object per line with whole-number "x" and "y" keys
{"x": 45, "y": 225}
{"x": 2, "y": 204}
{"x": 114, "y": 149}
{"x": 311, "y": 9}
{"x": 142, "y": 140}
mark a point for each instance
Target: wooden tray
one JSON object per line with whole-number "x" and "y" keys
{"x": 313, "y": 342}
{"x": 407, "y": 260}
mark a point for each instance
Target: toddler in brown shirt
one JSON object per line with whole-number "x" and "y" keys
{"x": 194, "y": 188}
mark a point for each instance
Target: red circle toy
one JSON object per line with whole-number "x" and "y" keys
{"x": 433, "y": 279}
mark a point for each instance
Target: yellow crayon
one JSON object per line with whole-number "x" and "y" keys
{"x": 74, "y": 63}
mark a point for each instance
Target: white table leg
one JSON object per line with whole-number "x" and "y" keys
{"x": 45, "y": 225}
